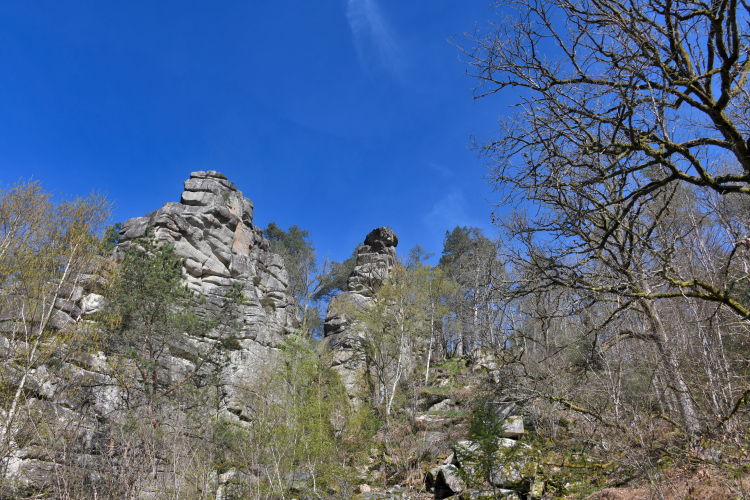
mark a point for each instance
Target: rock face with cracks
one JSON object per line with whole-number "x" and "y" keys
{"x": 375, "y": 259}
{"x": 211, "y": 230}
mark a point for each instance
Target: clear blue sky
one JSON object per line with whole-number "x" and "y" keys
{"x": 338, "y": 116}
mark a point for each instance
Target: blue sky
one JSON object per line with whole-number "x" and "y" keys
{"x": 338, "y": 116}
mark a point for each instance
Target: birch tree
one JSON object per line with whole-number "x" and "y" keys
{"x": 47, "y": 248}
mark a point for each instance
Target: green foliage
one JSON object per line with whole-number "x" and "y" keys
{"x": 316, "y": 402}
{"x": 228, "y": 438}
{"x": 149, "y": 287}
{"x": 464, "y": 247}
{"x": 470, "y": 260}
{"x": 334, "y": 280}
{"x": 302, "y": 424}
{"x": 485, "y": 428}
{"x": 392, "y": 326}
{"x": 454, "y": 366}
{"x": 231, "y": 344}
{"x": 111, "y": 236}
{"x": 418, "y": 257}
{"x": 151, "y": 312}
{"x": 296, "y": 248}
{"x": 47, "y": 245}
{"x": 300, "y": 259}
{"x": 457, "y": 243}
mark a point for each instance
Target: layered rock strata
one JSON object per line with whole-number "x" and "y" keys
{"x": 75, "y": 394}
{"x": 375, "y": 259}
{"x": 211, "y": 229}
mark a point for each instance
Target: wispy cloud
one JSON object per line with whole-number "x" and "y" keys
{"x": 373, "y": 38}
{"x": 448, "y": 212}
{"x": 440, "y": 169}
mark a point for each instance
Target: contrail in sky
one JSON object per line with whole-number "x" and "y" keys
{"x": 372, "y": 36}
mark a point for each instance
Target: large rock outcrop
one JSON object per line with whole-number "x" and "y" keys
{"x": 75, "y": 394}
{"x": 375, "y": 259}
{"x": 211, "y": 229}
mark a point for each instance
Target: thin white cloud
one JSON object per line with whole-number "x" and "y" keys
{"x": 448, "y": 212}
{"x": 373, "y": 37}
{"x": 440, "y": 169}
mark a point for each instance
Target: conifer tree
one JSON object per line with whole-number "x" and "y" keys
{"x": 152, "y": 315}
{"x": 485, "y": 428}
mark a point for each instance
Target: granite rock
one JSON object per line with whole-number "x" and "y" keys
{"x": 375, "y": 259}
{"x": 211, "y": 229}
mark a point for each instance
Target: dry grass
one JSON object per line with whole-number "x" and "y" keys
{"x": 706, "y": 483}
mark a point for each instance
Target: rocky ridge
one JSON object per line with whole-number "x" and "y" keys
{"x": 211, "y": 229}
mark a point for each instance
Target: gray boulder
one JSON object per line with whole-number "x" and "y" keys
{"x": 381, "y": 238}
{"x": 513, "y": 427}
{"x": 515, "y": 463}
{"x": 92, "y": 303}
{"x": 395, "y": 493}
{"x": 444, "y": 481}
{"x": 490, "y": 495}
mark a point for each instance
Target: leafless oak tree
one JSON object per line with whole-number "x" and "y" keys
{"x": 627, "y": 113}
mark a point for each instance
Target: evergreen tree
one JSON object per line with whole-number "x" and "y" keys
{"x": 151, "y": 316}
{"x": 334, "y": 280}
{"x": 470, "y": 259}
{"x": 485, "y": 428}
{"x": 111, "y": 236}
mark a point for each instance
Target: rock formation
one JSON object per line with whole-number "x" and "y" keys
{"x": 375, "y": 259}
{"x": 211, "y": 229}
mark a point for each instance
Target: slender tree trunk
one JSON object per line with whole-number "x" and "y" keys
{"x": 475, "y": 310}
{"x": 432, "y": 336}
{"x": 661, "y": 394}
{"x": 399, "y": 360}
{"x": 46, "y": 314}
{"x": 458, "y": 349}
{"x": 682, "y": 393}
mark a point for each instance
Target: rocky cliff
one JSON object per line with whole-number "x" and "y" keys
{"x": 211, "y": 229}
{"x": 375, "y": 259}
{"x": 75, "y": 393}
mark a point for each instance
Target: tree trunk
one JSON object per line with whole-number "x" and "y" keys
{"x": 680, "y": 389}
{"x": 432, "y": 336}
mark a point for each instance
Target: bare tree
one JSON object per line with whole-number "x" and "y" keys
{"x": 635, "y": 85}
{"x": 650, "y": 92}
{"x": 627, "y": 112}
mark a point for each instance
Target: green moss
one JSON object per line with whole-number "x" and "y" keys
{"x": 268, "y": 303}
{"x": 440, "y": 390}
{"x": 454, "y": 366}
{"x": 231, "y": 344}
